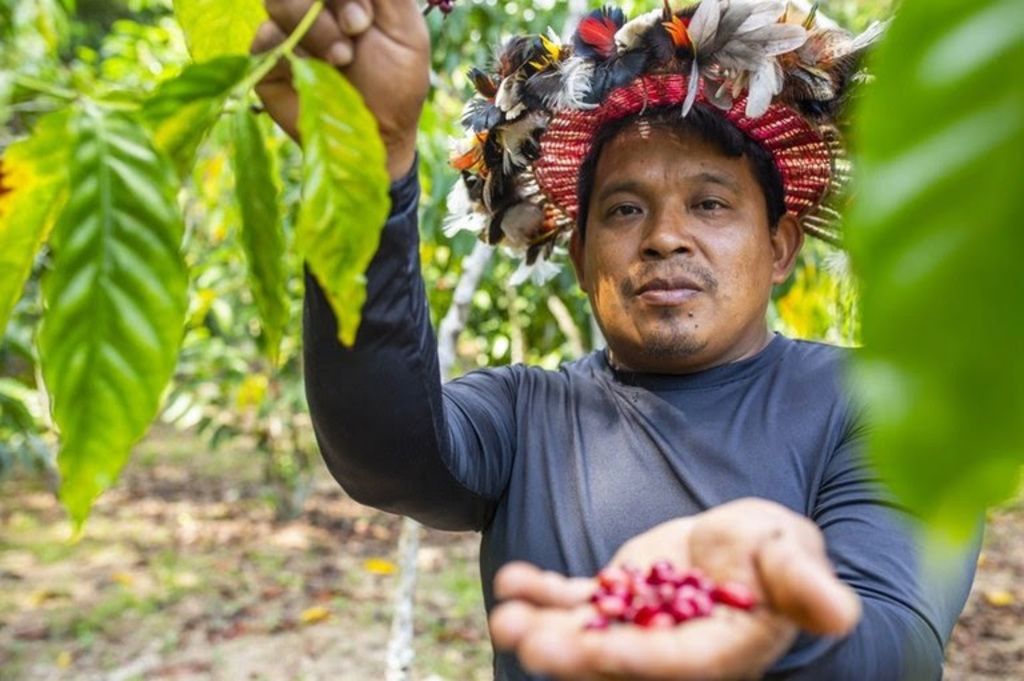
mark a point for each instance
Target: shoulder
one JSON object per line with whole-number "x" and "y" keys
{"x": 804, "y": 359}
{"x": 516, "y": 377}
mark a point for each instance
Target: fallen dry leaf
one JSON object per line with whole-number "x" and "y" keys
{"x": 380, "y": 566}
{"x": 999, "y": 598}
{"x": 317, "y": 613}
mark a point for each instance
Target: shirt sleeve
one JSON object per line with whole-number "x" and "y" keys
{"x": 908, "y": 612}
{"x": 387, "y": 431}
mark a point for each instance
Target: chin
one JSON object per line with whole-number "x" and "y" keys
{"x": 664, "y": 353}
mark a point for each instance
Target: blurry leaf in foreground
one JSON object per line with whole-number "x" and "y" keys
{"x": 936, "y": 240}
{"x": 345, "y": 193}
{"x": 217, "y": 27}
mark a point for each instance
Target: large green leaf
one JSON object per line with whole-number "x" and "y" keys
{"x": 115, "y": 299}
{"x": 345, "y": 196}
{"x": 261, "y": 236}
{"x": 936, "y": 238}
{"x": 215, "y": 28}
{"x": 183, "y": 109}
{"x": 32, "y": 188}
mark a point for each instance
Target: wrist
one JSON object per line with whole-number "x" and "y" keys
{"x": 401, "y": 157}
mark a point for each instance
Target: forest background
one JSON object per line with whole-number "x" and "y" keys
{"x": 236, "y": 394}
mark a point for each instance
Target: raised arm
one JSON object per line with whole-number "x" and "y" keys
{"x": 387, "y": 432}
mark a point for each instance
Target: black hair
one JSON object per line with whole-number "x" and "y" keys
{"x": 710, "y": 126}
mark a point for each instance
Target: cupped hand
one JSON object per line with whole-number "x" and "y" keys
{"x": 381, "y": 46}
{"x": 778, "y": 554}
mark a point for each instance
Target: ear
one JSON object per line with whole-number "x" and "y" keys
{"x": 786, "y": 243}
{"x": 577, "y": 257}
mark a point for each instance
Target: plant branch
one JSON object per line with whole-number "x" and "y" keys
{"x": 285, "y": 49}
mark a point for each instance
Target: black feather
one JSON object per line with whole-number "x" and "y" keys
{"x": 499, "y": 190}
{"x": 483, "y": 82}
{"x": 494, "y": 233}
{"x": 480, "y": 115}
{"x": 615, "y": 73}
{"x": 474, "y": 186}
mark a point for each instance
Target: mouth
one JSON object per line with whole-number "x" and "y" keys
{"x": 665, "y": 291}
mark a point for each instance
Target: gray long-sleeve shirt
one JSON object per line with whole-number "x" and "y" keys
{"x": 559, "y": 468}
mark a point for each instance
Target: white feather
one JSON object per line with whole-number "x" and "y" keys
{"x": 765, "y": 82}
{"x": 464, "y": 215}
{"x": 704, "y": 24}
{"x": 762, "y": 14}
{"x": 870, "y": 35}
{"x": 626, "y": 37}
{"x": 577, "y": 77}
{"x": 540, "y": 272}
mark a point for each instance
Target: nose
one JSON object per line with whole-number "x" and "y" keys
{"x": 667, "y": 235}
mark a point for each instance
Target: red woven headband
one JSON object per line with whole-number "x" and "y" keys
{"x": 801, "y": 155}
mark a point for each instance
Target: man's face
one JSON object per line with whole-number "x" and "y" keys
{"x": 678, "y": 258}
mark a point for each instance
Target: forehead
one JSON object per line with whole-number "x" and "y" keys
{"x": 660, "y": 154}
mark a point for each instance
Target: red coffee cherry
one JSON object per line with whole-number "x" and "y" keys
{"x": 663, "y": 597}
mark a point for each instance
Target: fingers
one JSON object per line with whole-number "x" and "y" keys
{"x": 555, "y": 642}
{"x": 799, "y": 583}
{"x": 326, "y": 38}
{"x": 526, "y": 582}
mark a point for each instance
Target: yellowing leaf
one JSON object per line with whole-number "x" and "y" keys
{"x": 380, "y": 566}
{"x": 315, "y": 614}
{"x": 183, "y": 109}
{"x": 345, "y": 193}
{"x": 64, "y": 659}
{"x": 999, "y": 598}
{"x": 217, "y": 27}
{"x": 33, "y": 187}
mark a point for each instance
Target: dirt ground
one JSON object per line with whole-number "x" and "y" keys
{"x": 182, "y": 574}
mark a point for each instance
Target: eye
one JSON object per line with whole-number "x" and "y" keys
{"x": 624, "y": 210}
{"x": 710, "y": 205}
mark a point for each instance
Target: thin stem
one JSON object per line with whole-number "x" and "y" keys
{"x": 41, "y": 86}
{"x": 284, "y": 49}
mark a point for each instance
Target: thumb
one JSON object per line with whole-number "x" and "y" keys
{"x": 800, "y": 584}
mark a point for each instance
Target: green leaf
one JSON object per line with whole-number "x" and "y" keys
{"x": 215, "y": 28}
{"x": 262, "y": 237}
{"x": 936, "y": 239}
{"x": 115, "y": 299}
{"x": 32, "y": 189}
{"x": 345, "y": 197}
{"x": 184, "y": 108}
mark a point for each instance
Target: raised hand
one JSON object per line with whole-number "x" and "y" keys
{"x": 778, "y": 554}
{"x": 381, "y": 46}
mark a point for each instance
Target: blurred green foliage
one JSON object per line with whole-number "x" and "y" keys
{"x": 936, "y": 239}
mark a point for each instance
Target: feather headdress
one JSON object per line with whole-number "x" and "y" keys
{"x": 776, "y": 76}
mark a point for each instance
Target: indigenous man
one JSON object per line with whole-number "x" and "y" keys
{"x": 687, "y": 153}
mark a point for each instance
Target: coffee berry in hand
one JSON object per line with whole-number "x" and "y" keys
{"x": 663, "y": 597}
